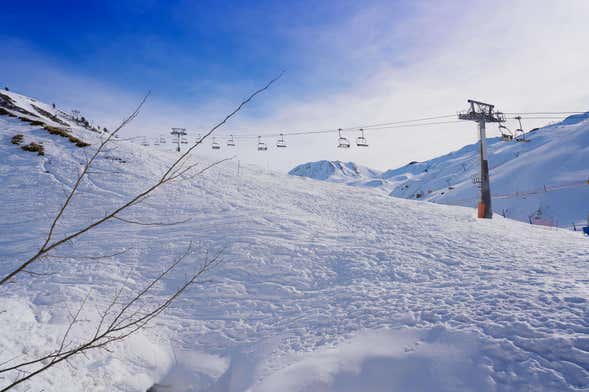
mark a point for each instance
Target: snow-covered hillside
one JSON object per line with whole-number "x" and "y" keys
{"x": 320, "y": 289}
{"x": 38, "y": 113}
{"x": 544, "y": 179}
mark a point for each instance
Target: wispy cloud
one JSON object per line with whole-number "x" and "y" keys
{"x": 372, "y": 63}
{"x": 521, "y": 56}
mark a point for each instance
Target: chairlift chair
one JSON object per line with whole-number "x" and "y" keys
{"x": 506, "y": 134}
{"x": 198, "y": 139}
{"x": 230, "y": 141}
{"x": 520, "y": 134}
{"x": 162, "y": 140}
{"x": 361, "y": 140}
{"x": 261, "y": 145}
{"x": 215, "y": 145}
{"x": 342, "y": 142}
{"x": 281, "y": 143}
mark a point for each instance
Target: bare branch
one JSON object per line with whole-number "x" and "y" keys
{"x": 39, "y": 273}
{"x": 89, "y": 257}
{"x": 151, "y": 223}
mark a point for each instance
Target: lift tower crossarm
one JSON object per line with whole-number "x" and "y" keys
{"x": 178, "y": 132}
{"x": 482, "y": 113}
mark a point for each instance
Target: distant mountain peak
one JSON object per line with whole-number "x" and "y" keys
{"x": 334, "y": 171}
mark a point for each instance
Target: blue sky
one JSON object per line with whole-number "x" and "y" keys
{"x": 346, "y": 62}
{"x": 190, "y": 50}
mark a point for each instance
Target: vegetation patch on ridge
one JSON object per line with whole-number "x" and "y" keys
{"x": 63, "y": 133}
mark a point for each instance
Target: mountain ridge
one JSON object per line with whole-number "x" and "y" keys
{"x": 551, "y": 159}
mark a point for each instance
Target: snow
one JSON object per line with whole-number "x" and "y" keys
{"x": 386, "y": 360}
{"x": 335, "y": 171}
{"x": 549, "y": 174}
{"x": 323, "y": 286}
{"x": 28, "y": 108}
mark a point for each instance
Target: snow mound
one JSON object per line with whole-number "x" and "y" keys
{"x": 385, "y": 360}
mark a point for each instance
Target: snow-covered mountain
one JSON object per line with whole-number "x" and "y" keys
{"x": 320, "y": 289}
{"x": 35, "y": 112}
{"x": 336, "y": 171}
{"x": 543, "y": 180}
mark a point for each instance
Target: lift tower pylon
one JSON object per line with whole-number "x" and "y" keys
{"x": 482, "y": 113}
{"x": 179, "y": 132}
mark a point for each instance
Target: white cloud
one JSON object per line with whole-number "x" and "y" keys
{"x": 520, "y": 55}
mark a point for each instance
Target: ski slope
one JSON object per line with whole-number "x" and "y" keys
{"x": 545, "y": 179}
{"x": 323, "y": 287}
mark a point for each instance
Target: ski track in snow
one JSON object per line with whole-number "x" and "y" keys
{"x": 323, "y": 287}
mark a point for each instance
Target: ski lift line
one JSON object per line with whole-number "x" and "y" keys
{"x": 401, "y": 122}
{"x": 537, "y": 118}
{"x": 354, "y": 128}
{"x": 327, "y": 131}
{"x": 546, "y": 188}
{"x": 233, "y": 137}
{"x": 389, "y": 125}
{"x": 534, "y": 113}
{"x": 247, "y": 133}
{"x": 385, "y": 124}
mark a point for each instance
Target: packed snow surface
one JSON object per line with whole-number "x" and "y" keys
{"x": 543, "y": 179}
{"x": 322, "y": 288}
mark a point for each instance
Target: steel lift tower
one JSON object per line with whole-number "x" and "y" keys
{"x": 483, "y": 113}
{"x": 178, "y": 132}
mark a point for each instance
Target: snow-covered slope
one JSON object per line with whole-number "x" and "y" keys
{"x": 38, "y": 113}
{"x": 319, "y": 290}
{"x": 543, "y": 179}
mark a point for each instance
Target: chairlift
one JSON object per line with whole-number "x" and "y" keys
{"x": 506, "y": 134}
{"x": 215, "y": 145}
{"x": 230, "y": 141}
{"x": 281, "y": 143}
{"x": 342, "y": 142}
{"x": 477, "y": 181}
{"x": 183, "y": 141}
{"x": 198, "y": 139}
{"x": 520, "y": 134}
{"x": 361, "y": 140}
{"x": 162, "y": 140}
{"x": 261, "y": 145}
